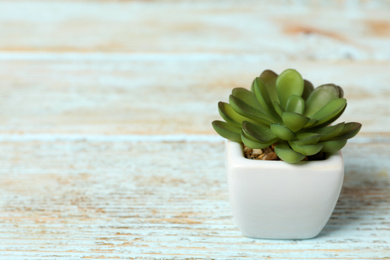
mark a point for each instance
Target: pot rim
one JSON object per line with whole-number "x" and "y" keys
{"x": 236, "y": 157}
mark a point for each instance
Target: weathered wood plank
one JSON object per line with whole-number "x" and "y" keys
{"x": 293, "y": 30}
{"x": 162, "y": 94}
{"x": 95, "y": 97}
{"x": 166, "y": 200}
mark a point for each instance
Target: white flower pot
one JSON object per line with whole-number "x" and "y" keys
{"x": 277, "y": 200}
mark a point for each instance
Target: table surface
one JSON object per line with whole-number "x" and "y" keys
{"x": 107, "y": 150}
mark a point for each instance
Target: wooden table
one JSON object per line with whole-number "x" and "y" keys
{"x": 107, "y": 151}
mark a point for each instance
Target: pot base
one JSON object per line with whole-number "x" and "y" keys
{"x": 277, "y": 200}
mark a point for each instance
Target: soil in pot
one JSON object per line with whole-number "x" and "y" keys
{"x": 269, "y": 154}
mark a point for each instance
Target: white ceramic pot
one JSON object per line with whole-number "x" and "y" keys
{"x": 277, "y": 200}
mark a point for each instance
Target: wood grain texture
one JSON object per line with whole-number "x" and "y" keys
{"x": 107, "y": 151}
{"x": 294, "y": 29}
{"x": 175, "y": 94}
{"x": 66, "y": 199}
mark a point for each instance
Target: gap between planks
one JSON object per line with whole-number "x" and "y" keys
{"x": 120, "y": 56}
{"x": 361, "y": 139}
{"x": 163, "y": 56}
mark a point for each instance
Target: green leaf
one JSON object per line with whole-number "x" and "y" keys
{"x": 286, "y": 154}
{"x": 231, "y": 116}
{"x": 269, "y": 78}
{"x": 307, "y": 89}
{"x": 333, "y": 146}
{"x": 261, "y": 93}
{"x": 306, "y": 139}
{"x": 307, "y": 150}
{"x": 329, "y": 132}
{"x": 246, "y": 110}
{"x": 311, "y": 123}
{"x": 321, "y": 96}
{"x": 349, "y": 130}
{"x": 258, "y": 132}
{"x": 228, "y": 131}
{"x": 282, "y": 132}
{"x": 294, "y": 121}
{"x": 248, "y": 97}
{"x": 289, "y": 83}
{"x": 330, "y": 112}
{"x": 278, "y": 108}
{"x": 331, "y": 119}
{"x": 254, "y": 143}
{"x": 295, "y": 104}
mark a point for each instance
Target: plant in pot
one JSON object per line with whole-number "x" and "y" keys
{"x": 285, "y": 122}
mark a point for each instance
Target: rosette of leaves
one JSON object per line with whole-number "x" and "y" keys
{"x": 286, "y": 111}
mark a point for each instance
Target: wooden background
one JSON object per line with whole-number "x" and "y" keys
{"x": 106, "y": 147}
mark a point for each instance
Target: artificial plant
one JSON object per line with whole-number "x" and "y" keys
{"x": 285, "y": 111}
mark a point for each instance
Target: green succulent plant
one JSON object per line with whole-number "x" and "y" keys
{"x": 288, "y": 112}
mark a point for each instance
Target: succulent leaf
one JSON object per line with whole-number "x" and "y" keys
{"x": 307, "y": 150}
{"x": 269, "y": 78}
{"x": 228, "y": 131}
{"x": 307, "y": 89}
{"x": 258, "y": 87}
{"x": 289, "y": 83}
{"x": 333, "y": 146}
{"x": 330, "y": 112}
{"x": 282, "y": 132}
{"x": 248, "y": 97}
{"x": 321, "y": 96}
{"x": 229, "y": 115}
{"x": 349, "y": 130}
{"x": 254, "y": 143}
{"x": 295, "y": 104}
{"x": 285, "y": 153}
{"x": 306, "y": 139}
{"x": 258, "y": 132}
{"x": 329, "y": 132}
{"x": 331, "y": 119}
{"x": 261, "y": 94}
{"x": 278, "y": 108}
{"x": 246, "y": 110}
{"x": 294, "y": 121}
{"x": 312, "y": 122}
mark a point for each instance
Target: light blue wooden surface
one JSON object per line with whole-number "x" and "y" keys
{"x": 106, "y": 146}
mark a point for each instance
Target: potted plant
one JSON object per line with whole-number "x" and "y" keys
{"x": 291, "y": 188}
